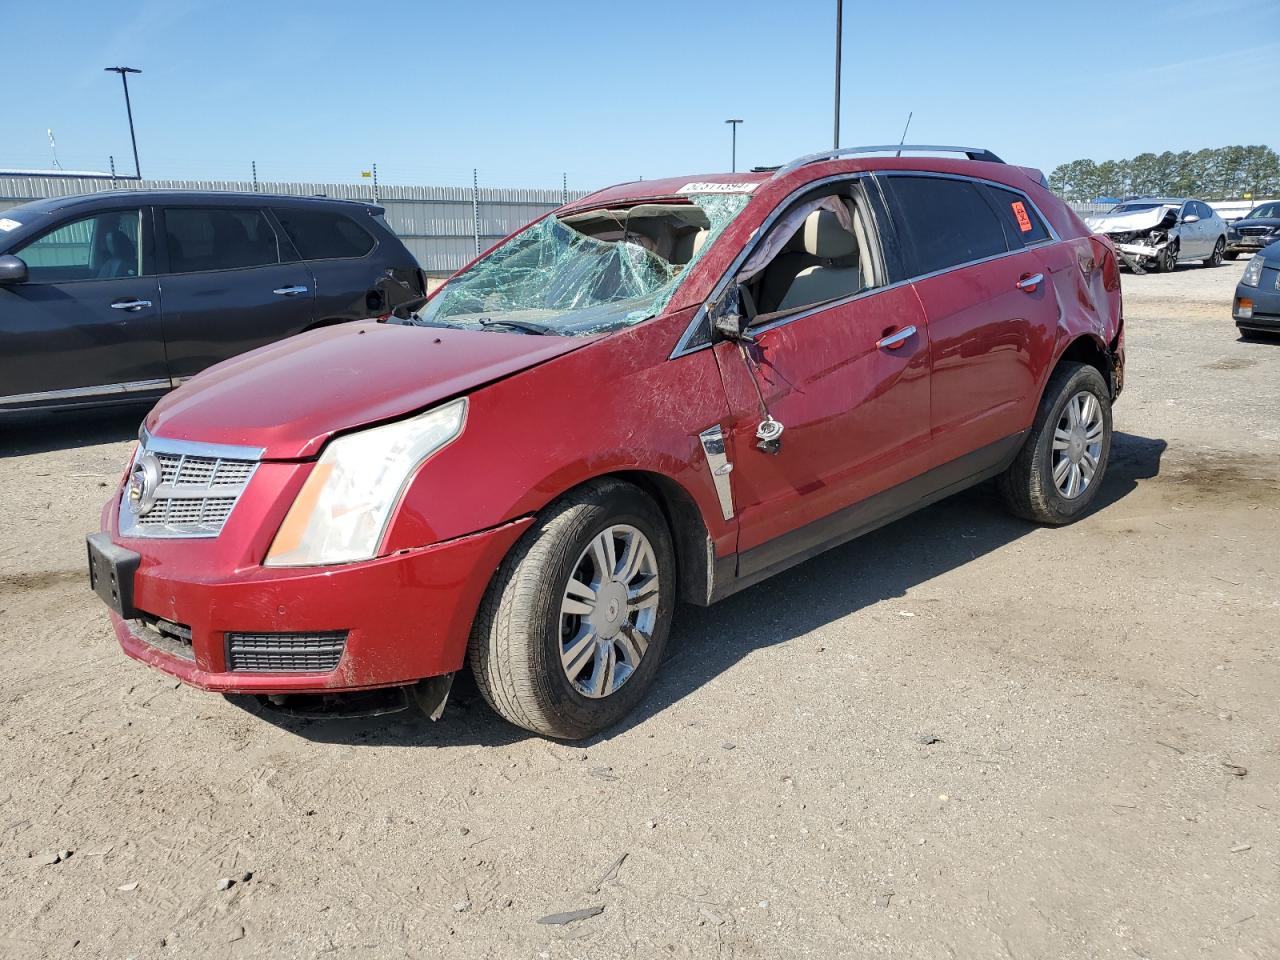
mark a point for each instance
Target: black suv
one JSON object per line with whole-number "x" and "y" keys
{"x": 120, "y": 296}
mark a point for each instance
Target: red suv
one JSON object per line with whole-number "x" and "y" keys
{"x": 667, "y": 390}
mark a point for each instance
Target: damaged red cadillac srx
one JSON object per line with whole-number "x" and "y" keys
{"x": 667, "y": 390}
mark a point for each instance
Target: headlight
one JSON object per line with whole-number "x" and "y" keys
{"x": 1252, "y": 272}
{"x": 341, "y": 512}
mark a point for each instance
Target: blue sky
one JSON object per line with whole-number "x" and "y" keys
{"x": 605, "y": 91}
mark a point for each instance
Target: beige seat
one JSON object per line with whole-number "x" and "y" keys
{"x": 837, "y": 272}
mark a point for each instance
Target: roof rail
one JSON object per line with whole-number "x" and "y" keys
{"x": 973, "y": 153}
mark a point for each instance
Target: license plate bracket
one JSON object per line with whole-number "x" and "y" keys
{"x": 111, "y": 572}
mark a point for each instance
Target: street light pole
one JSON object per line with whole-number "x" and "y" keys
{"x": 124, "y": 78}
{"x": 733, "y": 125}
{"x": 839, "y": 36}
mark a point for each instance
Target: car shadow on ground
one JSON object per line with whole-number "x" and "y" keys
{"x": 33, "y": 433}
{"x": 706, "y": 642}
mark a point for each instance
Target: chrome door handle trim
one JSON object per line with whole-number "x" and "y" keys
{"x": 1031, "y": 282}
{"x": 906, "y": 333}
{"x": 289, "y": 291}
{"x": 130, "y": 304}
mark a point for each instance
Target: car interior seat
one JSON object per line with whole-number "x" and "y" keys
{"x": 122, "y": 256}
{"x": 837, "y": 267}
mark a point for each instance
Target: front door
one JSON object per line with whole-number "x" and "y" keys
{"x": 226, "y": 289}
{"x": 86, "y": 322}
{"x": 843, "y": 366}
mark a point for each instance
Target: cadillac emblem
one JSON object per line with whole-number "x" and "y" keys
{"x": 144, "y": 481}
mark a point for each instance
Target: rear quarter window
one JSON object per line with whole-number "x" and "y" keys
{"x": 1022, "y": 225}
{"x": 941, "y": 223}
{"x": 325, "y": 235}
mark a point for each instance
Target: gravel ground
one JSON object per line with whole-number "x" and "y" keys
{"x": 959, "y": 737}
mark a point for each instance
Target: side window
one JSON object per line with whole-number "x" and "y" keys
{"x": 323, "y": 235}
{"x": 1022, "y": 225}
{"x": 218, "y": 238}
{"x": 941, "y": 223}
{"x": 818, "y": 251}
{"x": 105, "y": 246}
{"x": 1188, "y": 210}
{"x": 1204, "y": 210}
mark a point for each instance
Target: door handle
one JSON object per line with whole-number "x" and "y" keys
{"x": 289, "y": 291}
{"x": 1028, "y": 282}
{"x": 895, "y": 340}
{"x": 131, "y": 305}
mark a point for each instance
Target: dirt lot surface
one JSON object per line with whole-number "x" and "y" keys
{"x": 1103, "y": 782}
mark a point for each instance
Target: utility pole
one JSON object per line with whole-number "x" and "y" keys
{"x": 255, "y": 175}
{"x": 835, "y": 145}
{"x": 475, "y": 207}
{"x": 733, "y": 164}
{"x": 124, "y": 79}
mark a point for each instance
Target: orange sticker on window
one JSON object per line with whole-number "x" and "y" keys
{"x": 1020, "y": 211}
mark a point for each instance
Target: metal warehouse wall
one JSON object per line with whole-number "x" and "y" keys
{"x": 436, "y": 223}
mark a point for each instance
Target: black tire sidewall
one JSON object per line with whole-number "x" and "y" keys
{"x": 582, "y": 715}
{"x": 1084, "y": 378}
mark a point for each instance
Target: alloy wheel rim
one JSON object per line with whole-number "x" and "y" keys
{"x": 608, "y": 611}
{"x": 1077, "y": 445}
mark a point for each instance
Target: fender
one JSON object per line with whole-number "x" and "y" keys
{"x": 642, "y": 415}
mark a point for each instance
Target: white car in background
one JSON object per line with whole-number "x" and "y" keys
{"x": 1157, "y": 232}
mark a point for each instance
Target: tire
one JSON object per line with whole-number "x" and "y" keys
{"x": 1230, "y": 255}
{"x": 1028, "y": 486}
{"x": 522, "y": 626}
{"x": 1215, "y": 259}
{"x": 1167, "y": 262}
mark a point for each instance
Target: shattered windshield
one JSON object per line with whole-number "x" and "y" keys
{"x": 587, "y": 272}
{"x": 1136, "y": 207}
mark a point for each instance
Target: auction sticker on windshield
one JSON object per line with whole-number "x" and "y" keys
{"x": 6, "y": 224}
{"x": 699, "y": 187}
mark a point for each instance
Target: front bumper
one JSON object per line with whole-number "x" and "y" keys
{"x": 1140, "y": 251}
{"x": 1249, "y": 244}
{"x": 1265, "y": 303}
{"x": 405, "y": 617}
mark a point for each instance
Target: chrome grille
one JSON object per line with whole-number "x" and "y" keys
{"x": 199, "y": 485}
{"x": 1254, "y": 231}
{"x": 285, "y": 652}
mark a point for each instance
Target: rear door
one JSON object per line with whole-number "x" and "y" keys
{"x": 343, "y": 256}
{"x": 971, "y": 252}
{"x": 230, "y": 284}
{"x": 86, "y": 323}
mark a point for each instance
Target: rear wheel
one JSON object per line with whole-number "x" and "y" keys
{"x": 1215, "y": 259}
{"x": 1059, "y": 469}
{"x": 573, "y": 627}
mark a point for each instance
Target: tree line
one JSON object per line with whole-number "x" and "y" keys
{"x": 1220, "y": 173}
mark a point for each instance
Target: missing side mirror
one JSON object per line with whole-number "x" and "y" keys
{"x": 726, "y": 314}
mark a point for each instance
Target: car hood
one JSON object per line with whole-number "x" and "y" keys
{"x": 291, "y": 396}
{"x": 1127, "y": 222}
{"x": 1258, "y": 222}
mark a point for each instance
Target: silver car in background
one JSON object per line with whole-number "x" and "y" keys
{"x": 1157, "y": 232}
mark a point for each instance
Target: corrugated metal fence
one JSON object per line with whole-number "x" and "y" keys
{"x": 438, "y": 224}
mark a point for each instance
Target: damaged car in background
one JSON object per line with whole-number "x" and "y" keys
{"x": 1154, "y": 233}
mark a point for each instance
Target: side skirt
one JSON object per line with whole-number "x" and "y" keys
{"x": 784, "y": 552}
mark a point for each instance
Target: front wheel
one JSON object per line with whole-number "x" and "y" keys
{"x": 1059, "y": 469}
{"x": 1230, "y": 255}
{"x": 1167, "y": 262}
{"x": 572, "y": 629}
{"x": 1215, "y": 259}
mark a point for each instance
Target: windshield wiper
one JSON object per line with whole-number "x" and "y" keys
{"x": 524, "y": 326}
